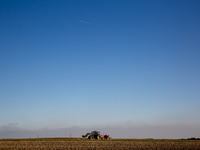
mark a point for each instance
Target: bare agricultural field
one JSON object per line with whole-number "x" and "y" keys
{"x": 85, "y": 144}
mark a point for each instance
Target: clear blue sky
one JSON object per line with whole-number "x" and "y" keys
{"x": 100, "y": 64}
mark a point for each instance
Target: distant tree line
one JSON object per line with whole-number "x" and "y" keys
{"x": 193, "y": 138}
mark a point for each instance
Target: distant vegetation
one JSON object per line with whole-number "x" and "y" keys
{"x": 193, "y": 138}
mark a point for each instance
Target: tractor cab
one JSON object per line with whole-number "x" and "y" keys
{"x": 95, "y": 132}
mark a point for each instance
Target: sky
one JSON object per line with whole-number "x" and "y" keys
{"x": 128, "y": 68}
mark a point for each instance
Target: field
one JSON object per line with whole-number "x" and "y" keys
{"x": 85, "y": 144}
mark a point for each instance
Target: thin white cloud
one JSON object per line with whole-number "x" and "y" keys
{"x": 84, "y": 22}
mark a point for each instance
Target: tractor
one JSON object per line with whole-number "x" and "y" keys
{"x": 95, "y": 135}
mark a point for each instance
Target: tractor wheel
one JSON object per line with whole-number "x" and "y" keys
{"x": 98, "y": 137}
{"x": 91, "y": 137}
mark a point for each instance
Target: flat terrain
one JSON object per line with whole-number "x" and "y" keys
{"x": 85, "y": 144}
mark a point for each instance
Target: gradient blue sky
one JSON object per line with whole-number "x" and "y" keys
{"x": 124, "y": 65}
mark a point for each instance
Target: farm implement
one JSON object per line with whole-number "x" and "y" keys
{"x": 95, "y": 135}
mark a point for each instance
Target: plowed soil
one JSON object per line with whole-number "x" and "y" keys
{"x": 62, "y": 144}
